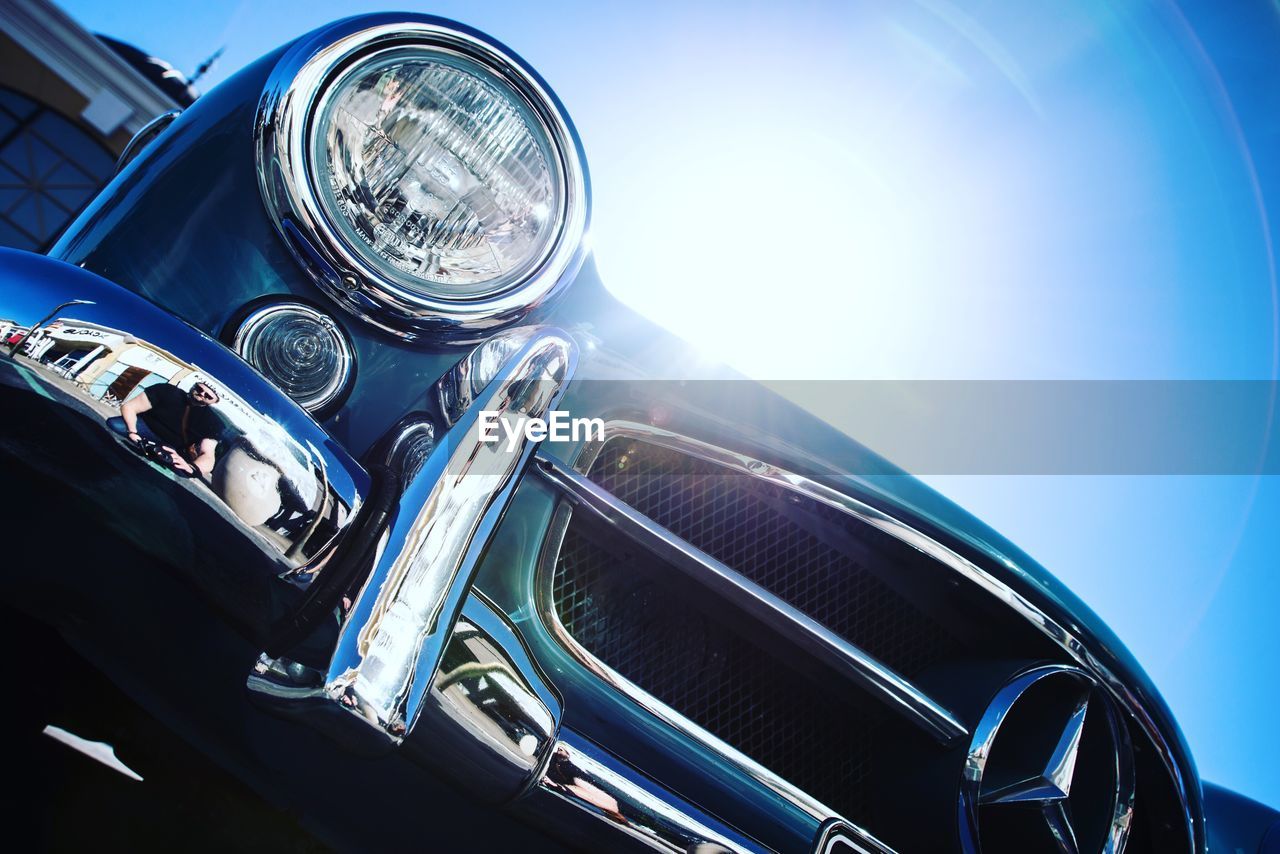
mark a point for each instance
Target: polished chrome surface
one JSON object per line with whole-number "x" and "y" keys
{"x": 457, "y": 391}
{"x": 845, "y": 658}
{"x": 181, "y": 415}
{"x": 797, "y": 797}
{"x": 1063, "y": 636}
{"x": 284, "y": 132}
{"x": 410, "y": 447}
{"x": 837, "y": 837}
{"x": 1047, "y": 787}
{"x": 298, "y": 348}
{"x": 393, "y": 637}
{"x": 144, "y": 137}
{"x": 489, "y": 706}
{"x": 649, "y": 816}
{"x": 489, "y": 721}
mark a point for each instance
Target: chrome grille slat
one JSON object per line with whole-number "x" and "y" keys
{"x": 883, "y": 682}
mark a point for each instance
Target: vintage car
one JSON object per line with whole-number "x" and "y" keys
{"x": 277, "y": 464}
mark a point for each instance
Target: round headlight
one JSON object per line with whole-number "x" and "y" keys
{"x": 425, "y": 176}
{"x": 436, "y": 173}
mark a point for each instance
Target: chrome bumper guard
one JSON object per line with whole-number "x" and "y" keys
{"x": 421, "y": 660}
{"x": 395, "y": 634}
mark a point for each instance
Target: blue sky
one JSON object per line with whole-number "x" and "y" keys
{"x": 939, "y": 190}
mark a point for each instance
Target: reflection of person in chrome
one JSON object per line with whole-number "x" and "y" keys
{"x": 174, "y": 419}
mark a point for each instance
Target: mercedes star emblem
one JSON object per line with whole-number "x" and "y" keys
{"x": 1050, "y": 768}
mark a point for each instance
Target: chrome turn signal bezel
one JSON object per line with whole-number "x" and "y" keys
{"x": 283, "y": 133}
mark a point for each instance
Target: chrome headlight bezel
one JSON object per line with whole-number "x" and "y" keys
{"x": 284, "y": 132}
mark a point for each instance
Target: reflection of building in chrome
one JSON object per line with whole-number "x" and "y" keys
{"x": 109, "y": 364}
{"x": 11, "y": 332}
{"x": 270, "y": 481}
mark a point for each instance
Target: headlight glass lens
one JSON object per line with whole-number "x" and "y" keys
{"x": 437, "y": 172}
{"x": 299, "y": 349}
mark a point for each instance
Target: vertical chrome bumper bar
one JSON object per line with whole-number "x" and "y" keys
{"x": 394, "y": 636}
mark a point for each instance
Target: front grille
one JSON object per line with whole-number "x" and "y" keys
{"x": 772, "y": 537}
{"x": 651, "y": 634}
{"x": 644, "y": 621}
{"x": 700, "y": 655}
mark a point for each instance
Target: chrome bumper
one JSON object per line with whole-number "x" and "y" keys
{"x": 256, "y": 530}
{"x": 421, "y": 661}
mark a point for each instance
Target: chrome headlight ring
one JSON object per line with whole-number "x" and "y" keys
{"x": 285, "y": 130}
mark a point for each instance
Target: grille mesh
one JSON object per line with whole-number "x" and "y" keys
{"x": 651, "y": 635}
{"x": 750, "y": 526}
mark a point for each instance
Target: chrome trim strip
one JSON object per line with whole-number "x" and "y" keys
{"x": 144, "y": 137}
{"x": 849, "y": 660}
{"x": 394, "y": 636}
{"x": 837, "y": 831}
{"x": 609, "y": 791}
{"x": 797, "y": 797}
{"x": 282, "y": 133}
{"x": 953, "y": 561}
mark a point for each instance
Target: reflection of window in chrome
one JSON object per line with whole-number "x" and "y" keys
{"x": 49, "y": 169}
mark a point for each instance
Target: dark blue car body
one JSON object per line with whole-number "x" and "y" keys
{"x": 183, "y": 227}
